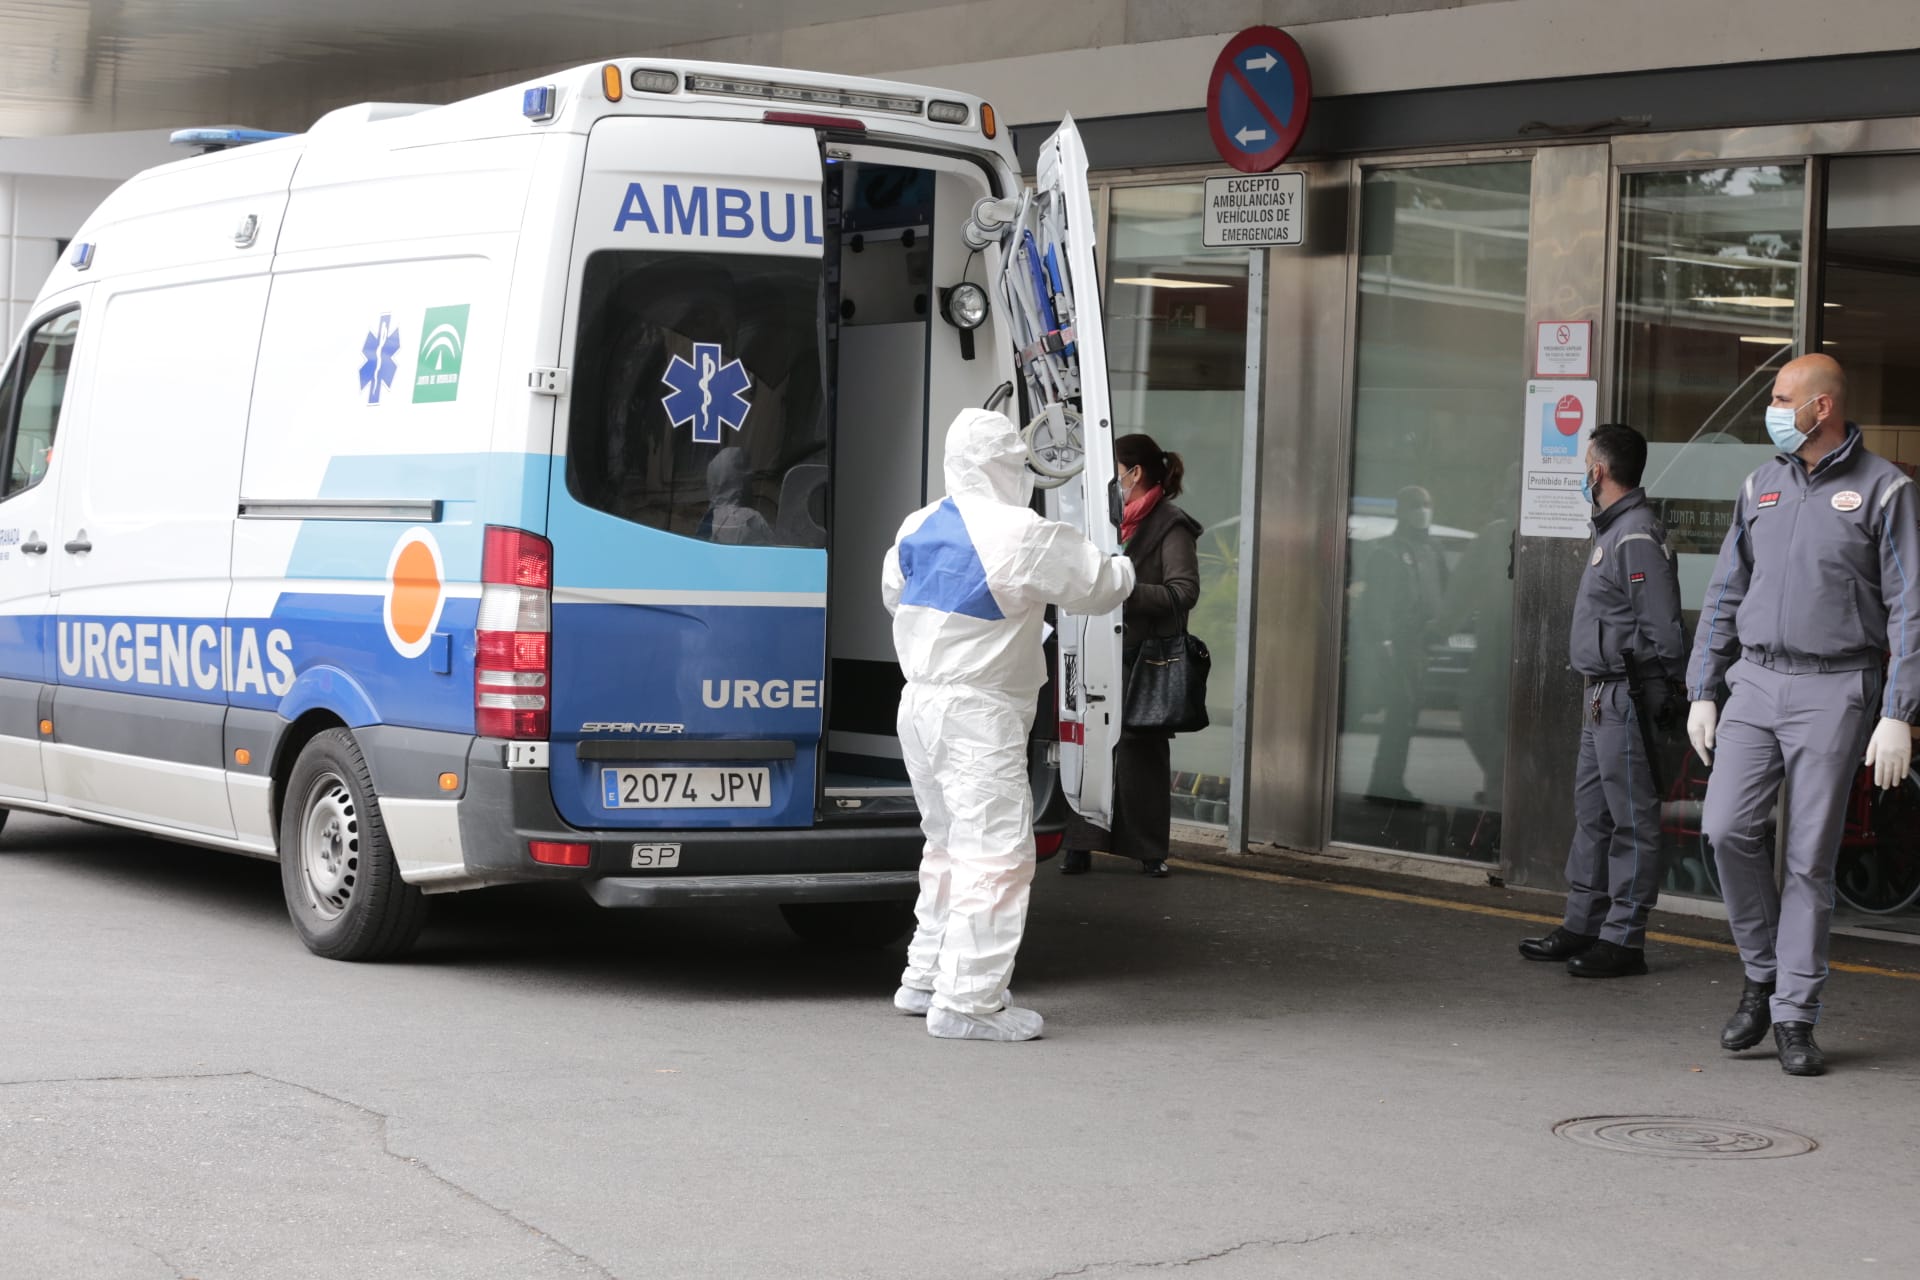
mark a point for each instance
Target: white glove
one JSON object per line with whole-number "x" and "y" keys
{"x": 1890, "y": 753}
{"x": 1702, "y": 717}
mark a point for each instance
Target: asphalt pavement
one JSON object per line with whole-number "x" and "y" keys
{"x": 1244, "y": 1075}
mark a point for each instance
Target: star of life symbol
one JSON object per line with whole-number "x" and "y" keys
{"x": 706, "y": 393}
{"x": 379, "y": 368}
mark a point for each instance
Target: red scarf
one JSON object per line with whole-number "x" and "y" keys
{"x": 1139, "y": 507}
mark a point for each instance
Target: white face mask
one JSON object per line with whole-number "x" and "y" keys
{"x": 1782, "y": 426}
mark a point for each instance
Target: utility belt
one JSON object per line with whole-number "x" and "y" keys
{"x": 1794, "y": 664}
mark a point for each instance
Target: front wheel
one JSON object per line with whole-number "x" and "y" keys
{"x": 851, "y": 926}
{"x": 342, "y": 886}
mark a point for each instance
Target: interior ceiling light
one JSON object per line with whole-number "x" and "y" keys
{"x": 1765, "y": 340}
{"x": 1741, "y": 301}
{"x": 1168, "y": 282}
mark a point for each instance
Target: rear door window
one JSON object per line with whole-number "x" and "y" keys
{"x": 698, "y": 396}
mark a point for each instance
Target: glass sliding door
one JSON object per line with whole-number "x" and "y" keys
{"x": 1177, "y": 359}
{"x": 1708, "y": 309}
{"x": 1441, "y": 364}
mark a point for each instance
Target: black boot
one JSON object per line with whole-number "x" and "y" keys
{"x": 1155, "y": 867}
{"x": 1748, "y": 1025}
{"x": 1608, "y": 960}
{"x": 1561, "y": 944}
{"x": 1799, "y": 1055}
{"x": 1075, "y": 862}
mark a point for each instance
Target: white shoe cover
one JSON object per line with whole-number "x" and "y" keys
{"x": 1006, "y": 1024}
{"x": 916, "y": 1002}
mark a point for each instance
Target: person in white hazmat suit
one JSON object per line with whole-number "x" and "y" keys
{"x": 967, "y": 581}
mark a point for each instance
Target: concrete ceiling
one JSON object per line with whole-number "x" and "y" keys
{"x": 81, "y": 65}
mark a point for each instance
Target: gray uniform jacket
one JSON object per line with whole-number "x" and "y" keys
{"x": 1820, "y": 568}
{"x": 1629, "y": 598}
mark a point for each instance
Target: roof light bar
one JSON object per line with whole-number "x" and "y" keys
{"x": 943, "y": 111}
{"x": 805, "y": 95}
{"x": 222, "y": 138}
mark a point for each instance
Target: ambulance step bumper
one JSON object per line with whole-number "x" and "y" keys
{"x": 672, "y": 891}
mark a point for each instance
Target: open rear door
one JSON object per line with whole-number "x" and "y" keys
{"x": 1051, "y": 288}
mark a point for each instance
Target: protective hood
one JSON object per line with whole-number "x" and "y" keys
{"x": 986, "y": 459}
{"x": 727, "y": 477}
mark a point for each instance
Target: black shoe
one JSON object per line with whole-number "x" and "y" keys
{"x": 1076, "y": 862}
{"x": 1561, "y": 944}
{"x": 1799, "y": 1055}
{"x": 1608, "y": 960}
{"x": 1155, "y": 867}
{"x": 1748, "y": 1025}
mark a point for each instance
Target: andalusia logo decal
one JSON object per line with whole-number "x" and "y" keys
{"x": 443, "y": 341}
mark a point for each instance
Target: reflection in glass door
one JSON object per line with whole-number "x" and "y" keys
{"x": 1440, "y": 367}
{"x": 1870, "y": 322}
{"x": 1707, "y": 313}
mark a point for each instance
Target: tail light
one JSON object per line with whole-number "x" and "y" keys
{"x": 513, "y": 662}
{"x": 1045, "y": 846}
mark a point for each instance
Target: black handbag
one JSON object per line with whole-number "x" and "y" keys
{"x": 1167, "y": 686}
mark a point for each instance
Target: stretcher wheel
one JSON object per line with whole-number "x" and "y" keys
{"x": 1056, "y": 448}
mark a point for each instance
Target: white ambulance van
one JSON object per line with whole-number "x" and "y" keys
{"x": 454, "y": 496}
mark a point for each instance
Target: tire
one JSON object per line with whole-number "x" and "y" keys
{"x": 343, "y": 889}
{"x": 850, "y": 926}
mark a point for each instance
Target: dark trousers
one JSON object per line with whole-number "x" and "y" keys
{"x": 1142, "y": 805}
{"x": 1613, "y": 865}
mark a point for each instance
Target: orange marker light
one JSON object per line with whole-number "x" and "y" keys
{"x": 242, "y": 756}
{"x": 46, "y": 726}
{"x": 988, "y": 125}
{"x": 449, "y": 782}
{"x": 612, "y": 82}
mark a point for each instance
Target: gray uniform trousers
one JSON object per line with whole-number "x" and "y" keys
{"x": 1810, "y": 728}
{"x": 1613, "y": 866}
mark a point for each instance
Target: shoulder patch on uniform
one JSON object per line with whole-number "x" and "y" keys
{"x": 1847, "y": 500}
{"x": 1599, "y": 554}
{"x": 1768, "y": 499}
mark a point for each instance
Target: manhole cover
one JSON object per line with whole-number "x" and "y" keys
{"x": 1684, "y": 1137}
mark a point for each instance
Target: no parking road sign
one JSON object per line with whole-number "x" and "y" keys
{"x": 1257, "y": 100}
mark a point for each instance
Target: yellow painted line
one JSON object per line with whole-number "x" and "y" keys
{"x": 1503, "y": 913}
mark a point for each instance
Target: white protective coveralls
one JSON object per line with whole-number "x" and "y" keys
{"x": 967, "y": 582}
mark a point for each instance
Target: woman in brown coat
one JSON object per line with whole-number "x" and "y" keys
{"x": 1161, "y": 540}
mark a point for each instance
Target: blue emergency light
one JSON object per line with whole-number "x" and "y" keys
{"x": 82, "y": 256}
{"x": 221, "y": 138}
{"x": 537, "y": 102}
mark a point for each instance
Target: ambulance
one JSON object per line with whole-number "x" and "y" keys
{"x": 497, "y": 492}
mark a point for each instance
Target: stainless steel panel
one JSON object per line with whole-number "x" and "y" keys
{"x": 1566, "y": 280}
{"x": 1249, "y": 562}
{"x": 1302, "y": 523}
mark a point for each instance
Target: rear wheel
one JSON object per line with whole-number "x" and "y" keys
{"x": 342, "y": 886}
{"x": 863, "y": 926}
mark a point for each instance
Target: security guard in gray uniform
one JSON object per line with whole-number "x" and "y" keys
{"x": 1811, "y": 620}
{"x": 1628, "y": 641}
